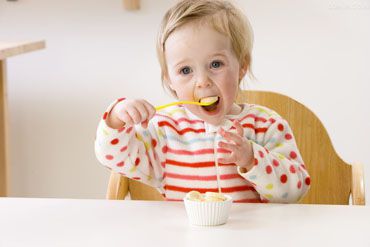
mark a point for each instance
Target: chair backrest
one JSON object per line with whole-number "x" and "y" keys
{"x": 332, "y": 180}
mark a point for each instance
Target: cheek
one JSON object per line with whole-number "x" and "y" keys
{"x": 183, "y": 91}
{"x": 230, "y": 93}
{"x": 230, "y": 83}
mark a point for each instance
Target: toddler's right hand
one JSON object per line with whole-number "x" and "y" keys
{"x": 130, "y": 112}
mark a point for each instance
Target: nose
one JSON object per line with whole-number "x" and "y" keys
{"x": 203, "y": 80}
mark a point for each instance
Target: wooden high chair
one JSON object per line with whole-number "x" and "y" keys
{"x": 333, "y": 181}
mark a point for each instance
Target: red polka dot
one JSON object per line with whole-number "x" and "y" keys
{"x": 280, "y": 127}
{"x": 303, "y": 166}
{"x": 268, "y": 169}
{"x": 299, "y": 185}
{"x": 105, "y": 115}
{"x": 293, "y": 155}
{"x": 292, "y": 169}
{"x": 272, "y": 120}
{"x": 307, "y": 180}
{"x": 154, "y": 143}
{"x": 129, "y": 130}
{"x": 120, "y": 99}
{"x": 114, "y": 141}
{"x": 255, "y": 161}
{"x": 123, "y": 149}
{"x": 121, "y": 129}
{"x": 283, "y": 178}
{"x": 137, "y": 161}
{"x": 267, "y": 151}
{"x": 261, "y": 154}
{"x": 288, "y": 136}
{"x": 136, "y": 178}
{"x": 109, "y": 157}
{"x": 275, "y": 163}
{"x": 164, "y": 149}
{"x": 120, "y": 164}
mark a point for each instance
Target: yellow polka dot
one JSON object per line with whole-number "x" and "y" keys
{"x": 149, "y": 177}
{"x": 147, "y": 145}
{"x": 278, "y": 145}
{"x": 133, "y": 169}
{"x": 139, "y": 137}
{"x": 105, "y": 132}
{"x": 263, "y": 110}
{"x": 268, "y": 196}
{"x": 281, "y": 157}
{"x": 173, "y": 112}
{"x": 269, "y": 186}
{"x": 160, "y": 133}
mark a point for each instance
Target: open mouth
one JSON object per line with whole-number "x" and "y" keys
{"x": 211, "y": 107}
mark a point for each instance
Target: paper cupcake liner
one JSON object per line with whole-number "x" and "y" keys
{"x": 207, "y": 213}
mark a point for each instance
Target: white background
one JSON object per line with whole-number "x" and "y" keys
{"x": 316, "y": 51}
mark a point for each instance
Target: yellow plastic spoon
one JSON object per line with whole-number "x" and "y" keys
{"x": 185, "y": 102}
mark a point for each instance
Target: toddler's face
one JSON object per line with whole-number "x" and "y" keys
{"x": 201, "y": 63}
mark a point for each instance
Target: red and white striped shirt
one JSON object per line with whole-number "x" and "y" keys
{"x": 177, "y": 153}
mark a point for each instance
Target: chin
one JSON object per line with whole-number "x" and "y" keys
{"x": 213, "y": 114}
{"x": 213, "y": 117}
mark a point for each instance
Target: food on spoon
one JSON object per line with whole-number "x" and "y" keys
{"x": 209, "y": 100}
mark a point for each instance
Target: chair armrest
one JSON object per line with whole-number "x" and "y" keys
{"x": 358, "y": 187}
{"x": 117, "y": 187}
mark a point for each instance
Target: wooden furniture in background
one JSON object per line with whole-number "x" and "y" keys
{"x": 8, "y": 50}
{"x": 131, "y": 4}
{"x": 332, "y": 180}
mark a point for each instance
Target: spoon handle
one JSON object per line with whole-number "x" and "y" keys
{"x": 181, "y": 102}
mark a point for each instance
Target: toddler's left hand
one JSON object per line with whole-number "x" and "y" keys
{"x": 240, "y": 148}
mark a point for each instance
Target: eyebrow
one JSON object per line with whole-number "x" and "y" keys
{"x": 220, "y": 53}
{"x": 181, "y": 61}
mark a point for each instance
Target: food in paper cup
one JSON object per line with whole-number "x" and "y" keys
{"x": 210, "y": 209}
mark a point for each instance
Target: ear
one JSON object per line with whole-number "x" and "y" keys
{"x": 168, "y": 83}
{"x": 243, "y": 70}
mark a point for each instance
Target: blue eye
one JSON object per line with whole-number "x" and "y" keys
{"x": 186, "y": 70}
{"x": 216, "y": 64}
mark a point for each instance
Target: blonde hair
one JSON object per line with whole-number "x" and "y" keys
{"x": 224, "y": 17}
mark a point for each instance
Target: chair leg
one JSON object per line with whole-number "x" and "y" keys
{"x": 358, "y": 186}
{"x": 117, "y": 187}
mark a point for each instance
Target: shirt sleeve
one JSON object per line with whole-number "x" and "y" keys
{"x": 133, "y": 151}
{"x": 278, "y": 174}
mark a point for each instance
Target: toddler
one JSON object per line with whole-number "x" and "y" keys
{"x": 243, "y": 150}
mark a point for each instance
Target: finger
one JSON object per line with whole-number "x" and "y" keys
{"x": 140, "y": 107}
{"x": 125, "y": 117}
{"x": 238, "y": 127}
{"x": 134, "y": 114}
{"x": 150, "y": 109}
{"x": 230, "y": 159}
{"x": 229, "y": 146}
{"x": 231, "y": 136}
